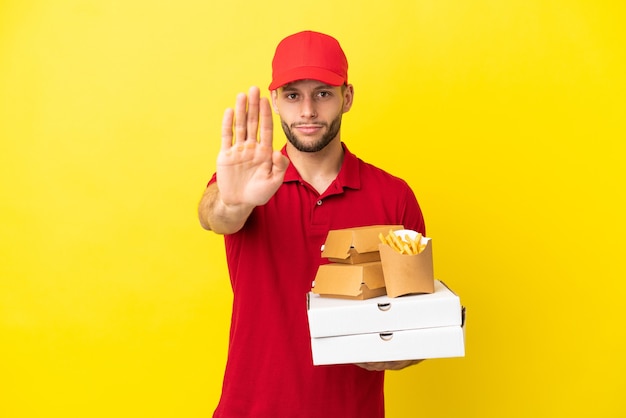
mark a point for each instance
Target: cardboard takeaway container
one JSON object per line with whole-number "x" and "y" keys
{"x": 427, "y": 343}
{"x": 407, "y": 274}
{"x": 350, "y": 281}
{"x": 355, "y": 245}
{"x": 331, "y": 317}
{"x": 387, "y": 329}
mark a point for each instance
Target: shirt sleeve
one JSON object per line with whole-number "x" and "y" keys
{"x": 413, "y": 217}
{"x": 213, "y": 179}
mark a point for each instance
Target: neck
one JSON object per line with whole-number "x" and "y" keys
{"x": 319, "y": 169}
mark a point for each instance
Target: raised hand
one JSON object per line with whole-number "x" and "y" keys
{"x": 249, "y": 171}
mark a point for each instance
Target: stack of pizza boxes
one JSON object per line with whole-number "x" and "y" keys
{"x": 375, "y": 302}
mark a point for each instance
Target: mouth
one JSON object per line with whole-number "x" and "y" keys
{"x": 308, "y": 129}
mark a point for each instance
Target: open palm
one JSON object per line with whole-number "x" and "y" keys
{"x": 249, "y": 171}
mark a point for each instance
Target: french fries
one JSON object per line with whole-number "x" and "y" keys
{"x": 403, "y": 245}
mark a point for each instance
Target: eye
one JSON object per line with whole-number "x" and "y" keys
{"x": 291, "y": 96}
{"x": 324, "y": 94}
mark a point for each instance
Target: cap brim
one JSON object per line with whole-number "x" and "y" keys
{"x": 307, "y": 73}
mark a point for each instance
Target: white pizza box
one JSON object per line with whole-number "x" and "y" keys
{"x": 330, "y": 317}
{"x": 427, "y": 343}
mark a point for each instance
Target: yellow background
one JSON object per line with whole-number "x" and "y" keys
{"x": 506, "y": 117}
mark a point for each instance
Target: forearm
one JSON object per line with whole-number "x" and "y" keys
{"x": 218, "y": 217}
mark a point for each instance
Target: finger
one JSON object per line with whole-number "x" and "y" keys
{"x": 240, "y": 117}
{"x": 267, "y": 123}
{"x": 279, "y": 162}
{"x": 227, "y": 129}
{"x": 252, "y": 120}
{"x": 372, "y": 367}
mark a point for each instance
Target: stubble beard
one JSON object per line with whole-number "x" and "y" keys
{"x": 316, "y": 146}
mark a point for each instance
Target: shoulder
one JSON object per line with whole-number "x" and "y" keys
{"x": 372, "y": 173}
{"x": 398, "y": 201}
{"x": 361, "y": 174}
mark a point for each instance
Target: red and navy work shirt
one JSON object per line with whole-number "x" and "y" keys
{"x": 272, "y": 261}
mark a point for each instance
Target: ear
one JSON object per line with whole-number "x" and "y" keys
{"x": 348, "y": 98}
{"x": 274, "y": 95}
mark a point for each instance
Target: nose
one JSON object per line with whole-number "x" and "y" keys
{"x": 308, "y": 108}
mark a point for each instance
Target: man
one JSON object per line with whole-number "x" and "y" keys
{"x": 275, "y": 209}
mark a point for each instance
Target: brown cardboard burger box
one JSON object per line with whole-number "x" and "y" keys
{"x": 350, "y": 281}
{"x": 407, "y": 274}
{"x": 355, "y": 245}
{"x": 355, "y": 270}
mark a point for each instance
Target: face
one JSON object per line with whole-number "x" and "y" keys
{"x": 311, "y": 111}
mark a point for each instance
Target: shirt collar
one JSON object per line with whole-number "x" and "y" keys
{"x": 348, "y": 176}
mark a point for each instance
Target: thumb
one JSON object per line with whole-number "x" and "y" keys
{"x": 279, "y": 161}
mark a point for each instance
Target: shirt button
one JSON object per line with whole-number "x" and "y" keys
{"x": 319, "y": 202}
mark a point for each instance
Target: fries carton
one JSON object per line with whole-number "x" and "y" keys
{"x": 407, "y": 274}
{"x": 350, "y": 281}
{"x": 355, "y": 245}
{"x": 387, "y": 329}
